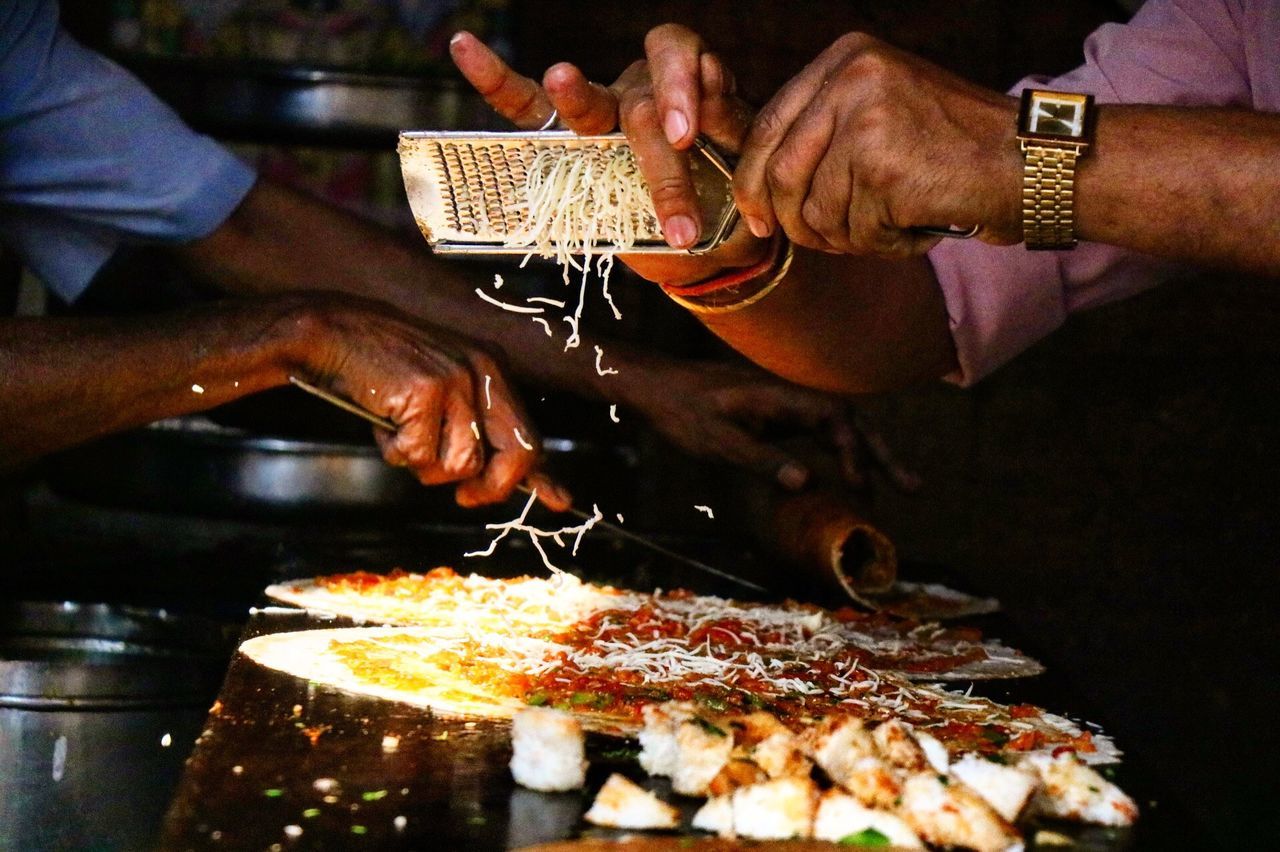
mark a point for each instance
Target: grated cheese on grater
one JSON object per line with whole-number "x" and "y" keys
{"x": 575, "y": 199}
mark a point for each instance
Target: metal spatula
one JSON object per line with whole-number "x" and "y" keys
{"x": 613, "y": 529}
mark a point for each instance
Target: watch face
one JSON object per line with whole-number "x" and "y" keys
{"x": 1055, "y": 114}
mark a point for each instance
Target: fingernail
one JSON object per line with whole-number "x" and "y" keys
{"x": 792, "y": 476}
{"x": 681, "y": 231}
{"x": 675, "y": 125}
{"x": 757, "y": 226}
{"x": 457, "y": 37}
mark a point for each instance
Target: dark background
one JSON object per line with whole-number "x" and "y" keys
{"x": 1114, "y": 486}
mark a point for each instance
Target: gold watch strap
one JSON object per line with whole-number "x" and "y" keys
{"x": 1048, "y": 195}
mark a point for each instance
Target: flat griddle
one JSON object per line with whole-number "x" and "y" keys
{"x": 284, "y": 761}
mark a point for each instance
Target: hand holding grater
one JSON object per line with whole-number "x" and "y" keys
{"x": 466, "y": 191}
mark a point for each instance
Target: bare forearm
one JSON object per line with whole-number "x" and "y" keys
{"x": 281, "y": 241}
{"x": 64, "y": 381}
{"x": 1195, "y": 184}
{"x": 845, "y": 324}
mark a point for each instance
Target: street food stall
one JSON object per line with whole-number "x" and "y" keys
{"x": 242, "y": 629}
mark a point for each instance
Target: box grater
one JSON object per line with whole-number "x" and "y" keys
{"x": 465, "y": 188}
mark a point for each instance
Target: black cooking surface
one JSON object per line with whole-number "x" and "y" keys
{"x": 447, "y": 780}
{"x": 285, "y": 761}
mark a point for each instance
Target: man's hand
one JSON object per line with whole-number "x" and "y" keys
{"x": 456, "y": 417}
{"x": 869, "y": 142}
{"x": 740, "y": 414}
{"x": 692, "y": 94}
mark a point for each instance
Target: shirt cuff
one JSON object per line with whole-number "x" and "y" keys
{"x": 1000, "y": 300}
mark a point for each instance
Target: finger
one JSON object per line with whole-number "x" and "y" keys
{"x": 550, "y": 493}
{"x": 902, "y": 478}
{"x": 750, "y": 186}
{"x": 418, "y": 435}
{"x": 585, "y": 107}
{"x": 665, "y": 169}
{"x": 717, "y": 80}
{"x": 790, "y": 176}
{"x": 506, "y": 468}
{"x": 870, "y": 226}
{"x": 391, "y": 453}
{"x": 674, "y": 53}
{"x": 634, "y": 76}
{"x": 461, "y": 445}
{"x": 746, "y": 451}
{"x": 844, "y": 438}
{"x": 514, "y": 442}
{"x": 740, "y": 249}
{"x": 899, "y": 243}
{"x": 725, "y": 119}
{"x": 776, "y": 402}
{"x": 513, "y": 96}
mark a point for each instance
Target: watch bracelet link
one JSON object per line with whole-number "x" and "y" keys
{"x": 1048, "y": 196}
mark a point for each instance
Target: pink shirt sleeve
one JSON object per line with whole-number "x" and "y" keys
{"x": 1002, "y": 299}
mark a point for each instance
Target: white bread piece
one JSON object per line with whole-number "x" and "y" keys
{"x": 738, "y": 772}
{"x": 716, "y": 815}
{"x": 934, "y": 751}
{"x": 1071, "y": 790}
{"x": 836, "y": 740}
{"x": 1007, "y": 789}
{"x": 702, "y": 750}
{"x": 778, "y": 809}
{"x": 621, "y": 803}
{"x": 658, "y": 737}
{"x": 945, "y": 813}
{"x": 779, "y": 755}
{"x": 897, "y": 744}
{"x": 872, "y": 781}
{"x": 846, "y": 752}
{"x": 547, "y": 750}
{"x": 751, "y": 728}
{"x": 840, "y": 815}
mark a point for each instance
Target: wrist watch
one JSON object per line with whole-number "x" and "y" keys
{"x": 1054, "y": 130}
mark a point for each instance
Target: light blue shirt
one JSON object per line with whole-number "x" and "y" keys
{"x": 91, "y": 160}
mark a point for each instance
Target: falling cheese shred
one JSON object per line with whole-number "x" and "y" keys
{"x": 574, "y": 201}
{"x": 600, "y": 368}
{"x": 536, "y": 536}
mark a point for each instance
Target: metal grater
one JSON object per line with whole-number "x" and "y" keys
{"x": 462, "y": 188}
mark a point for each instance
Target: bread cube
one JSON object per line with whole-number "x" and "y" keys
{"x": 779, "y": 755}
{"x": 621, "y": 803}
{"x": 897, "y": 744}
{"x": 775, "y": 810}
{"x": 840, "y": 815}
{"x": 702, "y": 750}
{"x": 716, "y": 816}
{"x": 1071, "y": 790}
{"x": 548, "y": 750}
{"x": 946, "y": 813}
{"x": 846, "y": 752}
{"x": 1006, "y": 788}
{"x": 658, "y": 737}
{"x": 934, "y": 751}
